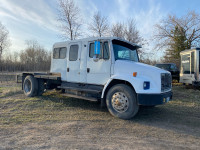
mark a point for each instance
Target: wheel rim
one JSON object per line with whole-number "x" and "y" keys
{"x": 27, "y": 86}
{"x": 120, "y": 102}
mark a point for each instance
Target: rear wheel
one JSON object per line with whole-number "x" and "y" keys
{"x": 30, "y": 86}
{"x": 121, "y": 101}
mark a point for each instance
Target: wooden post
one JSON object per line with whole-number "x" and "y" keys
{"x": 16, "y": 78}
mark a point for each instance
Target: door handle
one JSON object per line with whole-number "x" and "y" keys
{"x": 67, "y": 69}
{"x": 88, "y": 70}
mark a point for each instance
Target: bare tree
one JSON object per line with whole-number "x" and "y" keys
{"x": 4, "y": 41}
{"x": 176, "y": 34}
{"x": 99, "y": 25}
{"x": 131, "y": 32}
{"x": 69, "y": 16}
{"x": 118, "y": 30}
{"x": 127, "y": 31}
{"x": 189, "y": 25}
{"x": 35, "y": 57}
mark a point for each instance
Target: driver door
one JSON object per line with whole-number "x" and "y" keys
{"x": 98, "y": 72}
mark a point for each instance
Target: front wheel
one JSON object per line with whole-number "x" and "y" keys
{"x": 121, "y": 101}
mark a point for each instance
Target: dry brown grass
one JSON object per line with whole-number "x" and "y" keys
{"x": 52, "y": 121}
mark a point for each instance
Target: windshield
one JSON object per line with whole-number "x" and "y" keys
{"x": 124, "y": 51}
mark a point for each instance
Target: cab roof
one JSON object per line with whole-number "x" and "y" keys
{"x": 95, "y": 39}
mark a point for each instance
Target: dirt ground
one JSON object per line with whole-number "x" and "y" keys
{"x": 53, "y": 122}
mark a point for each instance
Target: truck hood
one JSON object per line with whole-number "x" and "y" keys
{"x": 128, "y": 67}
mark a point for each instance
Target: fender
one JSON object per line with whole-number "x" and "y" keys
{"x": 105, "y": 86}
{"x": 136, "y": 83}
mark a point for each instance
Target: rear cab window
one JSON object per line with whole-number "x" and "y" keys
{"x": 59, "y": 53}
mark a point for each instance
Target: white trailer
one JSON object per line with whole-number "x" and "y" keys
{"x": 189, "y": 67}
{"x": 103, "y": 69}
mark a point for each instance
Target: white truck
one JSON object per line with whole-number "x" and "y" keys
{"x": 190, "y": 66}
{"x": 105, "y": 69}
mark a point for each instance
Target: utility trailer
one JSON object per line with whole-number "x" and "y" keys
{"x": 105, "y": 69}
{"x": 189, "y": 72}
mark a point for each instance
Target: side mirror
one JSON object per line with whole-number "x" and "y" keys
{"x": 97, "y": 47}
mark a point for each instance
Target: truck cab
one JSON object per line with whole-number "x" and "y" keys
{"x": 108, "y": 70}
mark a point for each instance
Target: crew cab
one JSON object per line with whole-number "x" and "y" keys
{"x": 105, "y": 69}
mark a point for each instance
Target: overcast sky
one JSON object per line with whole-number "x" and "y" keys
{"x": 36, "y": 19}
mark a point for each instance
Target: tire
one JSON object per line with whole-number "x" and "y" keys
{"x": 40, "y": 87}
{"x": 121, "y": 101}
{"x": 30, "y": 86}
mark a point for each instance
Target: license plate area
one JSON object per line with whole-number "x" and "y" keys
{"x": 166, "y": 99}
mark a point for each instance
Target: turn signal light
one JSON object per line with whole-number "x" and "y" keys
{"x": 134, "y": 74}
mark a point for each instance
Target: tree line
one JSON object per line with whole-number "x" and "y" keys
{"x": 33, "y": 58}
{"x": 171, "y": 35}
{"x": 176, "y": 34}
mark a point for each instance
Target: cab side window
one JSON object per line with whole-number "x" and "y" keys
{"x": 59, "y": 53}
{"x": 63, "y": 52}
{"x": 104, "y": 52}
{"x": 73, "y": 53}
{"x": 91, "y": 52}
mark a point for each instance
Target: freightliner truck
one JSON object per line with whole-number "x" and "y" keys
{"x": 105, "y": 69}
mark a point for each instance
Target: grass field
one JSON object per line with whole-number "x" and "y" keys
{"x": 52, "y": 121}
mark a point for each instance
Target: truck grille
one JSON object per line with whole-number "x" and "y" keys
{"x": 166, "y": 82}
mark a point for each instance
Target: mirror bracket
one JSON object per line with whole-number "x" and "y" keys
{"x": 95, "y": 58}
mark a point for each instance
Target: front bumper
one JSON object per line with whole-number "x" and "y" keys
{"x": 154, "y": 99}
